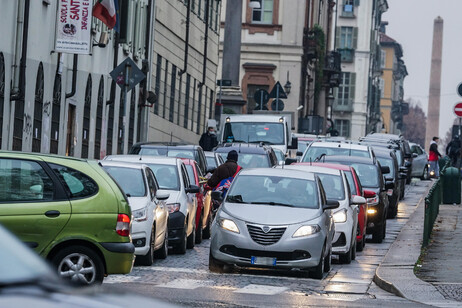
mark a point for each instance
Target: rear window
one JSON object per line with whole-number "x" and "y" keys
{"x": 77, "y": 184}
{"x": 351, "y": 182}
{"x": 250, "y": 160}
{"x": 332, "y": 186}
{"x": 166, "y": 175}
{"x": 368, "y": 174}
{"x": 131, "y": 180}
{"x": 314, "y": 152}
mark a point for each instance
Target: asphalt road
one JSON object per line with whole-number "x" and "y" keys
{"x": 186, "y": 279}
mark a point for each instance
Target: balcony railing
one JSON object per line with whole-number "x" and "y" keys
{"x": 332, "y": 69}
{"x": 343, "y": 105}
{"x": 347, "y": 54}
{"x": 347, "y": 11}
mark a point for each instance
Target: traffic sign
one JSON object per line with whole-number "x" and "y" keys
{"x": 278, "y": 91}
{"x": 459, "y": 89}
{"x": 458, "y": 109}
{"x": 261, "y": 97}
{"x": 135, "y": 75}
{"x": 277, "y": 105}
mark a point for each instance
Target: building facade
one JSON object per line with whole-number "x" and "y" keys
{"x": 356, "y": 39}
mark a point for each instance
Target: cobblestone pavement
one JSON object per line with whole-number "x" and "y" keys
{"x": 445, "y": 245}
{"x": 179, "y": 274}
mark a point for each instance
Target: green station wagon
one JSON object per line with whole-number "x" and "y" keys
{"x": 70, "y": 211}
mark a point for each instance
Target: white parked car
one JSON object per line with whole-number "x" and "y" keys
{"x": 173, "y": 178}
{"x": 150, "y": 215}
{"x": 336, "y": 186}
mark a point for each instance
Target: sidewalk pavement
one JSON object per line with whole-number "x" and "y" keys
{"x": 396, "y": 272}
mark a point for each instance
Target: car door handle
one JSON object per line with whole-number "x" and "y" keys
{"x": 52, "y": 213}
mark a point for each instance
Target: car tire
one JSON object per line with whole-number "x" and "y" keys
{"x": 208, "y": 229}
{"x": 393, "y": 212}
{"x": 148, "y": 259}
{"x": 199, "y": 231}
{"x": 328, "y": 262}
{"x": 162, "y": 252}
{"x": 318, "y": 271}
{"x": 75, "y": 254}
{"x": 181, "y": 246}
{"x": 425, "y": 175}
{"x": 191, "y": 238}
{"x": 345, "y": 258}
{"x": 378, "y": 234}
{"x": 215, "y": 266}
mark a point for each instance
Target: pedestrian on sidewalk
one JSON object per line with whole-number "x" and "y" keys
{"x": 433, "y": 158}
{"x": 453, "y": 150}
{"x": 208, "y": 139}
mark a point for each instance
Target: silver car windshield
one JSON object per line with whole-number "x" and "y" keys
{"x": 130, "y": 180}
{"x": 314, "y": 152}
{"x": 250, "y": 160}
{"x": 274, "y": 190}
{"x": 333, "y": 186}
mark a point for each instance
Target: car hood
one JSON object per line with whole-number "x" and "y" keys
{"x": 270, "y": 214}
{"x": 137, "y": 203}
{"x": 173, "y": 197}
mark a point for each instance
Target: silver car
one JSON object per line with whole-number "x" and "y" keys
{"x": 274, "y": 218}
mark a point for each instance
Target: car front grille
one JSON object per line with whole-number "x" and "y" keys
{"x": 271, "y": 237}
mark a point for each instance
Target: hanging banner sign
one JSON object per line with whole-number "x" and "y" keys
{"x": 73, "y": 26}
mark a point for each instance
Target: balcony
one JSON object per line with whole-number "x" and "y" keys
{"x": 347, "y": 54}
{"x": 332, "y": 69}
{"x": 343, "y": 105}
{"x": 347, "y": 11}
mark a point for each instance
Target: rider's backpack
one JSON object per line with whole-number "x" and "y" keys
{"x": 224, "y": 184}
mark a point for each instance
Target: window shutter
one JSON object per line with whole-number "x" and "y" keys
{"x": 352, "y": 85}
{"x": 355, "y": 37}
{"x": 356, "y": 2}
{"x": 337, "y": 38}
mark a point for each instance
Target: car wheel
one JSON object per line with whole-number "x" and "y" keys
{"x": 148, "y": 259}
{"x": 208, "y": 229}
{"x": 191, "y": 238}
{"x": 215, "y": 265}
{"x": 162, "y": 252}
{"x": 377, "y": 235}
{"x": 345, "y": 258}
{"x": 181, "y": 246}
{"x": 80, "y": 264}
{"x": 199, "y": 231}
{"x": 328, "y": 262}
{"x": 408, "y": 178}
{"x": 384, "y": 232}
{"x": 318, "y": 271}
{"x": 393, "y": 212}
{"x": 425, "y": 176}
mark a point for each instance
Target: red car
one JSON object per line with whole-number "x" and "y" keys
{"x": 356, "y": 189}
{"x": 203, "y": 215}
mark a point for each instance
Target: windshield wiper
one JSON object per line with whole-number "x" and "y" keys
{"x": 235, "y": 199}
{"x": 273, "y": 203}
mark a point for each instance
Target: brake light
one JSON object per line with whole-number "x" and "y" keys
{"x": 123, "y": 225}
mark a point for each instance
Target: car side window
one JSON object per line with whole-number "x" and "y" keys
{"x": 24, "y": 180}
{"x": 152, "y": 184}
{"x": 77, "y": 184}
{"x": 184, "y": 174}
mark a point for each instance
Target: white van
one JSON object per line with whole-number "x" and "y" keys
{"x": 270, "y": 129}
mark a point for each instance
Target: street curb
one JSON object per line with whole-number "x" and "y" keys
{"x": 390, "y": 286}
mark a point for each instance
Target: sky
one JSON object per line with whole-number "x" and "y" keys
{"x": 411, "y": 24}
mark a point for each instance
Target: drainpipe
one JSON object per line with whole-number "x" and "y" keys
{"x": 186, "y": 42}
{"x": 19, "y": 80}
{"x": 206, "y": 36}
{"x": 74, "y": 78}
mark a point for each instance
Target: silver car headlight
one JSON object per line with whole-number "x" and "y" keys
{"x": 307, "y": 230}
{"x": 229, "y": 225}
{"x": 140, "y": 214}
{"x": 340, "y": 216}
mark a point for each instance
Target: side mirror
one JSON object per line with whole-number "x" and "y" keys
{"x": 389, "y": 185}
{"x": 358, "y": 200}
{"x": 331, "y": 204}
{"x": 290, "y": 161}
{"x": 217, "y": 195}
{"x": 294, "y": 144}
{"x": 369, "y": 194}
{"x": 385, "y": 169}
{"x": 414, "y": 155}
{"x": 160, "y": 195}
{"x": 402, "y": 175}
{"x": 299, "y": 153}
{"x": 403, "y": 169}
{"x": 192, "y": 189}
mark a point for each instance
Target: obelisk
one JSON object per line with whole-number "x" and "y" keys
{"x": 433, "y": 111}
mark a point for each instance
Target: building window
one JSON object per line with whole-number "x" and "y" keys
{"x": 264, "y": 14}
{"x": 382, "y": 87}
{"x": 164, "y": 103}
{"x": 180, "y": 103}
{"x": 56, "y": 114}
{"x": 99, "y": 119}
{"x": 212, "y": 103}
{"x": 110, "y": 129}
{"x": 383, "y": 56}
{"x": 346, "y": 89}
{"x": 131, "y": 124}
{"x": 217, "y": 14}
{"x": 199, "y": 105}
{"x": 158, "y": 73}
{"x": 86, "y": 118}
{"x": 343, "y": 127}
{"x": 193, "y": 105}
{"x": 38, "y": 111}
{"x": 2, "y": 94}
{"x": 346, "y": 37}
{"x": 186, "y": 101}
{"x": 172, "y": 94}
{"x": 348, "y": 8}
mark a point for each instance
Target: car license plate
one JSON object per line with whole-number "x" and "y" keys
{"x": 263, "y": 261}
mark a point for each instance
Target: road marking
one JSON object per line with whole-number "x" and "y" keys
{"x": 120, "y": 279}
{"x": 186, "y": 284}
{"x": 261, "y": 289}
